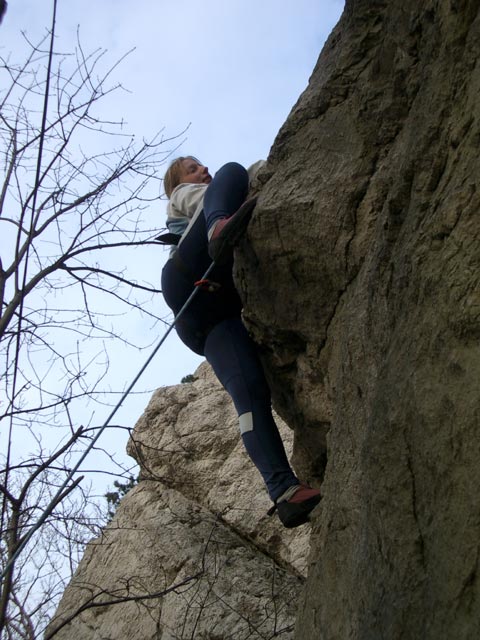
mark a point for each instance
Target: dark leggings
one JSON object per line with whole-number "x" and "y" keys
{"x": 226, "y": 193}
{"x": 212, "y": 327}
{"x": 233, "y": 356}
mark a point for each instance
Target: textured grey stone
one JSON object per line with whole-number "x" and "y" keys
{"x": 188, "y": 439}
{"x": 200, "y": 579}
{"x": 360, "y": 278}
{"x": 198, "y": 512}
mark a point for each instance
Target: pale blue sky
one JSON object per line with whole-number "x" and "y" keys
{"x": 230, "y": 70}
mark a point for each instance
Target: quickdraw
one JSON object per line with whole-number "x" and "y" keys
{"x": 207, "y": 285}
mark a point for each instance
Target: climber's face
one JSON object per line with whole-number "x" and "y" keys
{"x": 194, "y": 172}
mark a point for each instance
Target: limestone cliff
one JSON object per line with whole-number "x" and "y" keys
{"x": 370, "y": 317}
{"x": 360, "y": 277}
{"x": 191, "y": 552}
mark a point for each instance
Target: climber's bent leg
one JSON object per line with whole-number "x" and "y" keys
{"x": 226, "y": 193}
{"x": 233, "y": 356}
{"x": 226, "y": 211}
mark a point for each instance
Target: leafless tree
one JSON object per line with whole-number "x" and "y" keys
{"x": 74, "y": 189}
{"x": 31, "y": 592}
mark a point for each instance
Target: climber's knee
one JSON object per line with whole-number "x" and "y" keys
{"x": 245, "y": 422}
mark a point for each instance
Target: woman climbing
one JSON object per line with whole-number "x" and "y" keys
{"x": 206, "y": 216}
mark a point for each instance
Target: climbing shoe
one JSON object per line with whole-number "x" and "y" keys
{"x": 295, "y": 505}
{"x": 228, "y": 231}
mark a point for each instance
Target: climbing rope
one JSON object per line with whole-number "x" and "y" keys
{"x": 64, "y": 488}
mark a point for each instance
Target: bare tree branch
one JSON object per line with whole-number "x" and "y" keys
{"x": 73, "y": 185}
{"x": 92, "y": 603}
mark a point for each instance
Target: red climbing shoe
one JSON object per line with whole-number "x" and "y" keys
{"x": 228, "y": 231}
{"x": 295, "y": 505}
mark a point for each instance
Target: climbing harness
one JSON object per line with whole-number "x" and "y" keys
{"x": 64, "y": 489}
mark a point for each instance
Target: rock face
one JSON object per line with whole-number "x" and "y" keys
{"x": 360, "y": 279}
{"x": 190, "y": 552}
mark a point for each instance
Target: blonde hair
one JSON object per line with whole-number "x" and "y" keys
{"x": 173, "y": 175}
